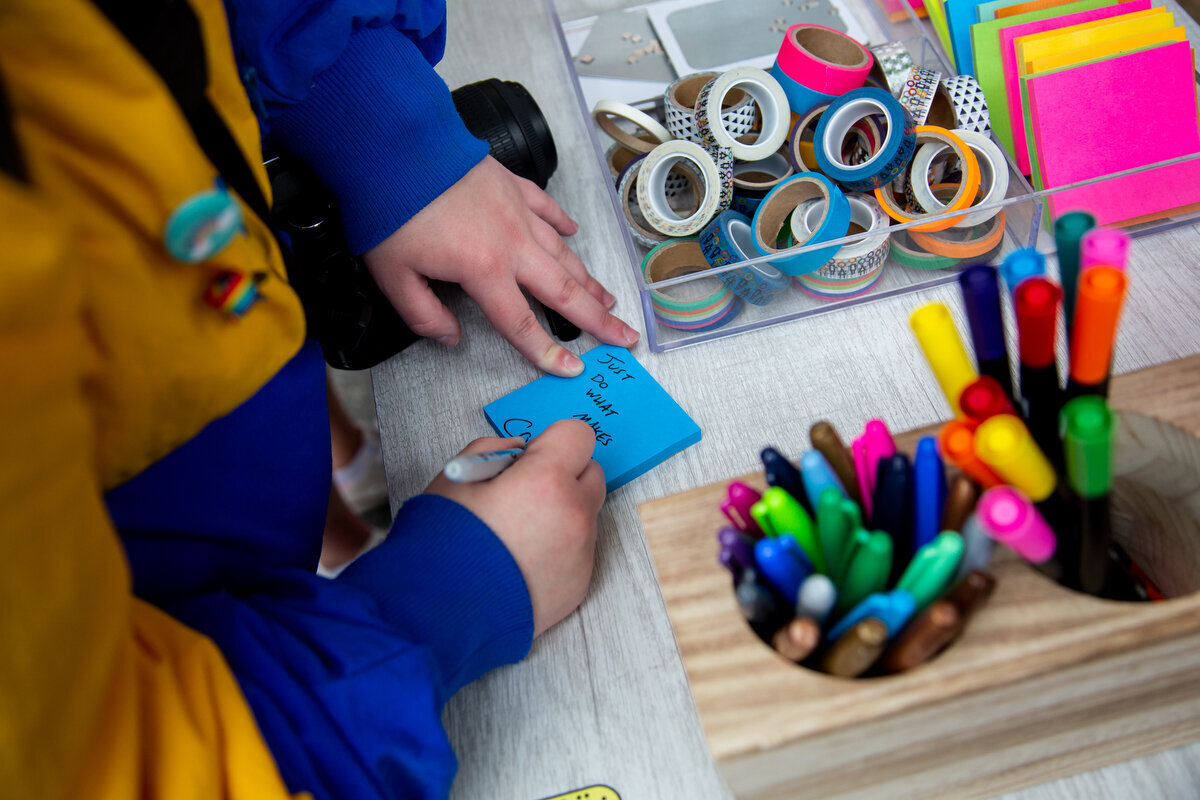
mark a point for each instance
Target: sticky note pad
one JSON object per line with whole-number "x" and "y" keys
{"x": 990, "y": 39}
{"x": 1060, "y": 40}
{"x": 1115, "y": 114}
{"x": 637, "y": 424}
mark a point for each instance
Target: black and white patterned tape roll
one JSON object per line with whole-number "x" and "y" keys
{"x": 892, "y": 63}
{"x": 993, "y": 177}
{"x": 723, "y": 158}
{"x": 639, "y": 229}
{"x": 607, "y": 112}
{"x": 651, "y": 184}
{"x": 856, "y": 259}
{"x": 772, "y": 106}
{"x": 728, "y": 240}
{"x": 918, "y": 91}
{"x": 737, "y": 113}
{"x": 618, "y": 157}
{"x": 970, "y": 106}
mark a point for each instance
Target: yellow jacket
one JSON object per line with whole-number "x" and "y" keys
{"x": 112, "y": 359}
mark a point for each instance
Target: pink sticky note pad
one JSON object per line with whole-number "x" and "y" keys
{"x": 1008, "y": 63}
{"x": 1116, "y": 114}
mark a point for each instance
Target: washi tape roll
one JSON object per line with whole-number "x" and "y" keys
{"x": 823, "y": 59}
{"x": 962, "y": 242}
{"x": 800, "y": 97}
{"x": 607, "y": 112}
{"x": 906, "y": 253}
{"x": 776, "y": 211}
{"x": 993, "y": 176}
{"x": 772, "y": 106}
{"x": 723, "y": 158}
{"x": 966, "y": 191}
{"x": 844, "y": 292}
{"x": 618, "y": 157}
{"x": 970, "y": 106}
{"x": 639, "y": 229}
{"x": 651, "y": 185}
{"x": 888, "y": 160}
{"x": 697, "y": 305}
{"x": 856, "y": 259}
{"x": 800, "y": 150}
{"x": 892, "y": 63}
{"x": 738, "y": 110}
{"x": 744, "y": 205}
{"x": 756, "y": 178}
{"x": 727, "y": 240}
{"x": 918, "y": 92}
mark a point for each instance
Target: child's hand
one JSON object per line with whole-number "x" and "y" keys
{"x": 544, "y": 509}
{"x": 494, "y": 233}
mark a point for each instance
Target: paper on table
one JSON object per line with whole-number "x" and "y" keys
{"x": 986, "y": 44}
{"x": 937, "y": 16}
{"x": 960, "y": 16}
{"x": 1058, "y": 39}
{"x": 637, "y": 424}
{"x": 1137, "y": 108}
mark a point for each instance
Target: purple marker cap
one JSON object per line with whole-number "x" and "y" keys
{"x": 1009, "y": 517}
{"x": 736, "y": 506}
{"x": 738, "y": 546}
{"x": 1104, "y": 247}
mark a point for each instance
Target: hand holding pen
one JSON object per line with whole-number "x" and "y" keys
{"x": 542, "y": 508}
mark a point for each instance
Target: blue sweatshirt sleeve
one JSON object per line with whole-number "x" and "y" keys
{"x": 349, "y": 88}
{"x": 347, "y": 678}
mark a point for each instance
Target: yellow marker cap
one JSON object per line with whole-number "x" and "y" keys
{"x": 1005, "y": 444}
{"x": 938, "y": 337}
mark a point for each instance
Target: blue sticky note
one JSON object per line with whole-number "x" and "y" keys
{"x": 637, "y": 424}
{"x": 960, "y": 16}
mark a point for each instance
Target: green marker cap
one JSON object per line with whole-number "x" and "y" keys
{"x": 1088, "y": 429}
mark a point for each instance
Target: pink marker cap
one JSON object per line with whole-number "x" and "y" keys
{"x": 1009, "y": 517}
{"x": 1104, "y": 247}
{"x": 736, "y": 506}
{"x": 879, "y": 445}
{"x": 866, "y": 478}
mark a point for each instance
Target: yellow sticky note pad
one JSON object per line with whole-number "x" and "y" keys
{"x": 1086, "y": 54}
{"x": 1075, "y": 37}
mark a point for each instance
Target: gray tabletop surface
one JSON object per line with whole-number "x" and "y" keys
{"x": 603, "y": 697}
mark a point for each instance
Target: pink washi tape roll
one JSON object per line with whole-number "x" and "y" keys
{"x": 823, "y": 59}
{"x": 1009, "y": 517}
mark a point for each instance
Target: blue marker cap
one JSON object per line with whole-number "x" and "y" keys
{"x": 779, "y": 566}
{"x": 893, "y": 608}
{"x": 894, "y": 508}
{"x": 1021, "y": 264}
{"x": 818, "y": 476}
{"x": 929, "y": 492}
{"x": 778, "y": 471}
{"x": 980, "y": 284}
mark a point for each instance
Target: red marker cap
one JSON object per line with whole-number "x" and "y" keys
{"x": 1036, "y": 301}
{"x": 984, "y": 397}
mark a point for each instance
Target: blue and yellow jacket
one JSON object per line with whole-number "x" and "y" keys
{"x": 142, "y": 420}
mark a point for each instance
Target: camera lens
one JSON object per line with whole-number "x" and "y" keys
{"x": 503, "y": 114}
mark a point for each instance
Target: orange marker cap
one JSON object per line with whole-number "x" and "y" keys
{"x": 1005, "y": 444}
{"x": 956, "y": 441}
{"x": 1098, "y": 303}
{"x": 939, "y": 339}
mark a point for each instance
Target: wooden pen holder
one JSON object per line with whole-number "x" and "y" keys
{"x": 1044, "y": 682}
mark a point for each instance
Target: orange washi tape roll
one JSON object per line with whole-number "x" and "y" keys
{"x": 966, "y": 190}
{"x": 979, "y": 239}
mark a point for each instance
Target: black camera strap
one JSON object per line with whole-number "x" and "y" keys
{"x": 168, "y": 36}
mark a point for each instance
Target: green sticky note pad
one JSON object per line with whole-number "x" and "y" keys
{"x": 637, "y": 424}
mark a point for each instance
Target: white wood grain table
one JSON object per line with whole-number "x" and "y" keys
{"x": 603, "y": 697}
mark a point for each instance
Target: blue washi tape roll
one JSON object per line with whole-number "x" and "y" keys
{"x": 889, "y": 159}
{"x": 744, "y": 204}
{"x": 699, "y": 305}
{"x": 776, "y": 209}
{"x": 727, "y": 240}
{"x": 800, "y": 97}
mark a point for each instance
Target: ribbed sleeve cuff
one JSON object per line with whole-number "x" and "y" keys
{"x": 381, "y": 132}
{"x": 448, "y": 581}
